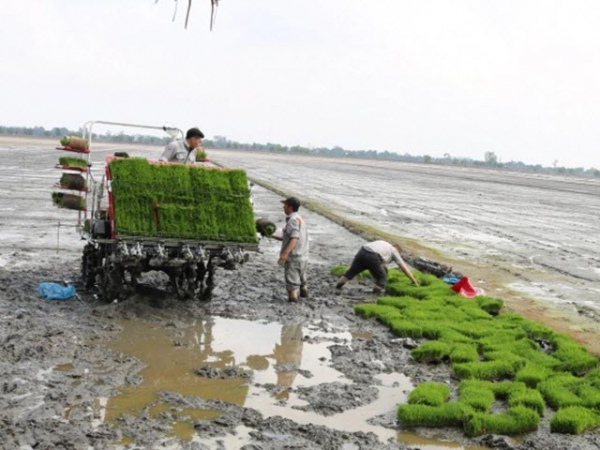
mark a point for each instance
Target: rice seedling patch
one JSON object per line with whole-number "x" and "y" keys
{"x": 498, "y": 357}
{"x": 463, "y": 353}
{"x": 432, "y": 394}
{"x": 574, "y": 420}
{"x": 340, "y": 270}
{"x": 533, "y": 374}
{"x": 516, "y": 420}
{"x": 490, "y": 305}
{"x": 477, "y": 395}
{"x": 431, "y": 351}
{"x": 485, "y": 370}
{"x": 530, "y": 398}
{"x": 447, "y": 415}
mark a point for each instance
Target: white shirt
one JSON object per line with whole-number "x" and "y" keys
{"x": 385, "y": 250}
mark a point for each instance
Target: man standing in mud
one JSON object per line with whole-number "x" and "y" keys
{"x": 374, "y": 257}
{"x": 183, "y": 150}
{"x": 294, "y": 250}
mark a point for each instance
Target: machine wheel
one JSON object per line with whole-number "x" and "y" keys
{"x": 185, "y": 283}
{"x": 89, "y": 265}
{"x": 207, "y": 287}
{"x": 111, "y": 287}
{"x": 194, "y": 282}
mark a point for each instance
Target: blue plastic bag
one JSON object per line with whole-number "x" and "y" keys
{"x": 54, "y": 291}
{"x": 450, "y": 279}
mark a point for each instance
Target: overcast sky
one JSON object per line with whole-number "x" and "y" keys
{"x": 519, "y": 78}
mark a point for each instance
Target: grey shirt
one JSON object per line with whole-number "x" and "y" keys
{"x": 385, "y": 250}
{"x": 295, "y": 227}
{"x": 178, "y": 151}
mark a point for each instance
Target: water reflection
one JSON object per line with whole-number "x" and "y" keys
{"x": 170, "y": 367}
{"x": 275, "y": 354}
{"x": 288, "y": 355}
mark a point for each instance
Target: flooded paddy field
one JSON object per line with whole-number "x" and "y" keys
{"x": 517, "y": 236}
{"x": 244, "y": 370}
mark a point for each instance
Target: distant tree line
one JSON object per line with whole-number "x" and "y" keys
{"x": 58, "y": 132}
{"x": 490, "y": 159}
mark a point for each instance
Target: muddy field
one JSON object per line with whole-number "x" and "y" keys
{"x": 517, "y": 236}
{"x": 245, "y": 370}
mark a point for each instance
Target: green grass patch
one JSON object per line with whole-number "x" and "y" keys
{"x": 560, "y": 390}
{"x": 496, "y": 357}
{"x": 533, "y": 374}
{"x": 565, "y": 389}
{"x": 490, "y": 305}
{"x": 338, "y": 271}
{"x": 574, "y": 420}
{"x": 428, "y": 406}
{"x": 447, "y": 415}
{"x": 432, "y": 394}
{"x": 498, "y": 340}
{"x": 430, "y": 286}
{"x": 431, "y": 351}
{"x": 572, "y": 356}
{"x": 486, "y": 370}
{"x": 527, "y": 397}
{"x": 477, "y": 395}
{"x": 400, "y": 289}
{"x": 516, "y": 420}
{"x": 181, "y": 201}
{"x": 463, "y": 353}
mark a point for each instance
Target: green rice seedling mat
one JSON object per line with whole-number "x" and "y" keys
{"x": 72, "y": 162}
{"x": 497, "y": 357}
{"x": 181, "y": 201}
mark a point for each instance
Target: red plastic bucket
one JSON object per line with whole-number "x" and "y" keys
{"x": 464, "y": 288}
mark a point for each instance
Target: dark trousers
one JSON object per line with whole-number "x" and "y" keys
{"x": 371, "y": 261}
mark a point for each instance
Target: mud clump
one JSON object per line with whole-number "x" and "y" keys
{"x": 277, "y": 432}
{"x": 332, "y": 398}
{"x": 497, "y": 442}
{"x": 292, "y": 368}
{"x": 221, "y": 374}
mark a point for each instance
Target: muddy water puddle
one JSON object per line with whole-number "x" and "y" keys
{"x": 68, "y": 367}
{"x": 171, "y": 357}
{"x": 250, "y": 364}
{"x": 438, "y": 443}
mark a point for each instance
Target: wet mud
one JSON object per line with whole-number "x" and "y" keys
{"x": 244, "y": 370}
{"x": 527, "y": 238}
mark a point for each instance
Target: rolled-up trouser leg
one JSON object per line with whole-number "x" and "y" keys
{"x": 295, "y": 273}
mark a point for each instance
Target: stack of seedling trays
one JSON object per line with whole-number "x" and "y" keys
{"x": 183, "y": 202}
{"x": 72, "y": 183}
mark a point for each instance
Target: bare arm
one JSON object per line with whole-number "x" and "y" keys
{"x": 285, "y": 253}
{"x": 404, "y": 268}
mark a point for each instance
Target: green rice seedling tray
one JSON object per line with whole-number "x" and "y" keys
{"x": 175, "y": 201}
